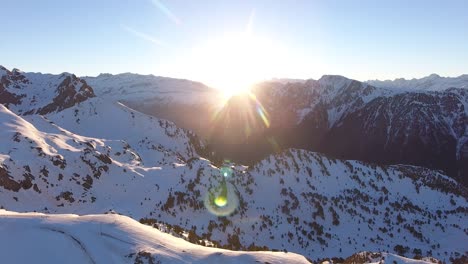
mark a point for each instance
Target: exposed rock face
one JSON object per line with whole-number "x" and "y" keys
{"x": 68, "y": 95}
{"x": 7, "y": 182}
{"x": 426, "y": 129}
{"x": 12, "y": 79}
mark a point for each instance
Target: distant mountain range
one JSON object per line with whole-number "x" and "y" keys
{"x": 83, "y": 146}
{"x": 432, "y": 82}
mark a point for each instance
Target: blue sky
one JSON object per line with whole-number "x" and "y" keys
{"x": 302, "y": 39}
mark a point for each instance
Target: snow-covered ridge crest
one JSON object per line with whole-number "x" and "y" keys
{"x": 100, "y": 238}
{"x": 109, "y": 238}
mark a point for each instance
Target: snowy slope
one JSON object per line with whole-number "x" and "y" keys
{"x": 352, "y": 206}
{"x": 432, "y": 82}
{"x": 40, "y": 159}
{"x": 111, "y": 238}
{"x": 100, "y": 118}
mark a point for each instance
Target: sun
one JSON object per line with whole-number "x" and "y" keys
{"x": 232, "y": 63}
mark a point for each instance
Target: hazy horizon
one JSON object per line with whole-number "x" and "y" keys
{"x": 11, "y": 67}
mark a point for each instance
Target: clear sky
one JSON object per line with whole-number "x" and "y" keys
{"x": 218, "y": 41}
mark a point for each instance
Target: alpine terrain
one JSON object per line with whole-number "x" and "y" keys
{"x": 332, "y": 170}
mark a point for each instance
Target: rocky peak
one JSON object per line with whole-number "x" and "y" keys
{"x": 433, "y": 76}
{"x": 336, "y": 81}
{"x": 15, "y": 78}
{"x": 17, "y": 71}
{"x": 70, "y": 91}
{"x": 31, "y": 93}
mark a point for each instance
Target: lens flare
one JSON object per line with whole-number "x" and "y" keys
{"x": 276, "y": 147}
{"x": 246, "y": 107}
{"x": 226, "y": 172}
{"x": 260, "y": 110}
{"x": 263, "y": 116}
{"x": 221, "y": 200}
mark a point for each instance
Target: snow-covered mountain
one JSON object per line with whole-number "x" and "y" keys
{"x": 99, "y": 155}
{"x": 428, "y": 129}
{"x": 432, "y": 82}
{"x": 338, "y": 94}
{"x": 189, "y": 104}
{"x": 110, "y": 238}
{"x": 348, "y": 119}
{"x": 137, "y": 87}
